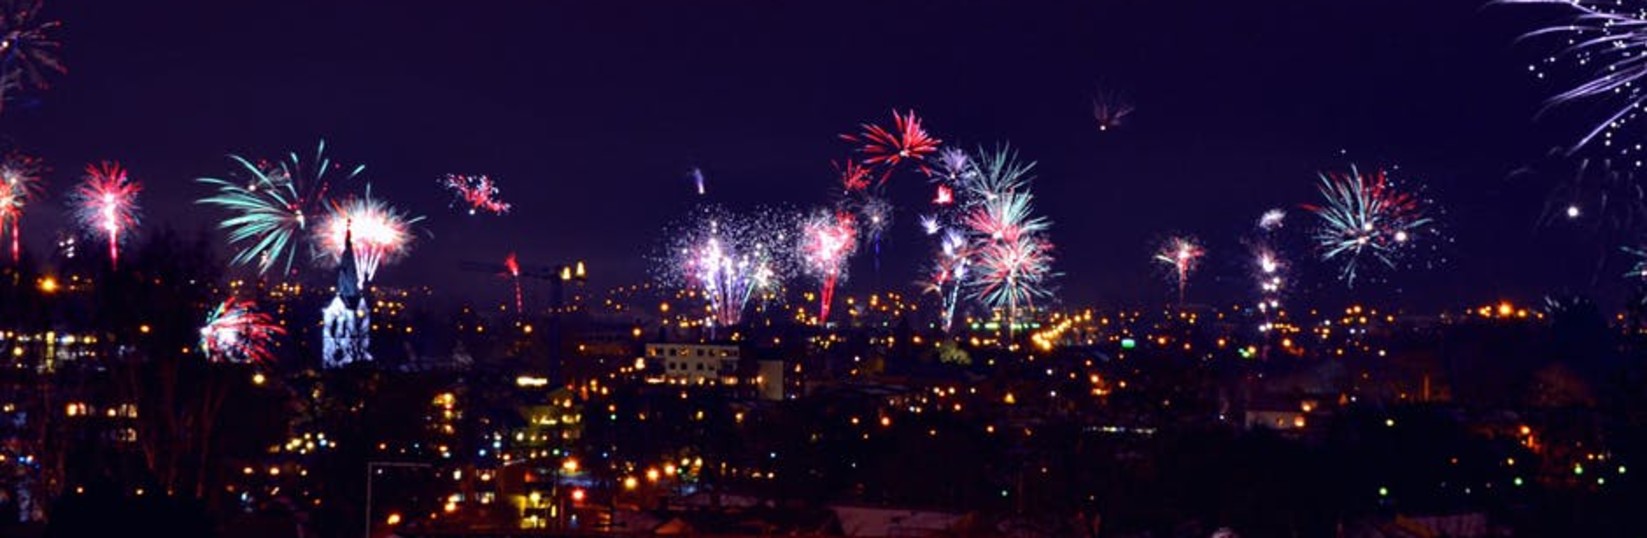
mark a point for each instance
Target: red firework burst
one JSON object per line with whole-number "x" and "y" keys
{"x": 854, "y": 178}
{"x": 905, "y": 141}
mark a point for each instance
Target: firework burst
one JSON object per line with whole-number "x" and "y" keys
{"x": 379, "y": 234}
{"x": 1007, "y": 216}
{"x": 731, "y": 258}
{"x": 930, "y": 225}
{"x": 1596, "y": 195}
{"x": 949, "y": 275}
{"x": 876, "y": 215}
{"x": 236, "y": 332}
{"x": 730, "y": 278}
{"x": 1268, "y": 267}
{"x": 854, "y": 177}
{"x": 28, "y": 52}
{"x": 1012, "y": 259}
{"x": 994, "y": 173}
{"x": 1267, "y": 270}
{"x": 105, "y": 204}
{"x": 951, "y": 170}
{"x": 1605, "y": 44}
{"x": 273, "y": 204}
{"x": 1592, "y": 195}
{"x": 1272, "y": 220}
{"x": 1365, "y": 216}
{"x": 1268, "y": 264}
{"x": 1638, "y": 270}
{"x": 19, "y": 185}
{"x": 1110, "y": 109}
{"x": 1182, "y": 256}
{"x": 476, "y": 193}
{"x": 952, "y": 166}
{"x": 1012, "y": 273}
{"x": 943, "y": 196}
{"x": 874, "y": 218}
{"x": 827, "y": 240}
{"x": 906, "y": 141}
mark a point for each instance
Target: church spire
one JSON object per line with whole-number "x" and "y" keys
{"x": 348, "y": 276}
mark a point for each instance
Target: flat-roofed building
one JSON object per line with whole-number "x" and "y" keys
{"x": 693, "y": 364}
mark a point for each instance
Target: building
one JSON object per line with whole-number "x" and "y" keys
{"x": 693, "y": 364}
{"x": 348, "y": 318}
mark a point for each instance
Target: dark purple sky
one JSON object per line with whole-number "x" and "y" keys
{"x": 591, "y": 113}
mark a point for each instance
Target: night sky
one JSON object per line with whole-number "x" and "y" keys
{"x": 591, "y": 114}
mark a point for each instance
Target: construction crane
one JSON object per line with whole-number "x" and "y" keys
{"x": 557, "y": 276}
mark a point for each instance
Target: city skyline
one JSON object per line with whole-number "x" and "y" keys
{"x": 851, "y": 269}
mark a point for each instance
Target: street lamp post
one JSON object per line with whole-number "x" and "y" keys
{"x": 372, "y": 466}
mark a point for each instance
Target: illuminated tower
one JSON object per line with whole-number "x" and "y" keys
{"x": 348, "y": 321}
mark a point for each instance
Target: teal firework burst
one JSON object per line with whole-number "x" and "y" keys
{"x": 272, "y": 205}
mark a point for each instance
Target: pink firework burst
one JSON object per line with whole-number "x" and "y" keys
{"x": 378, "y": 233}
{"x": 827, "y": 239}
{"x": 906, "y": 141}
{"x": 1006, "y": 217}
{"x": 478, "y": 193}
{"x": 105, "y": 204}
{"x": 19, "y": 185}
{"x": 236, "y": 332}
{"x": 1183, "y": 255}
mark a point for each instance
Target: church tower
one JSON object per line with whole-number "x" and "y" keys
{"x": 348, "y": 319}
